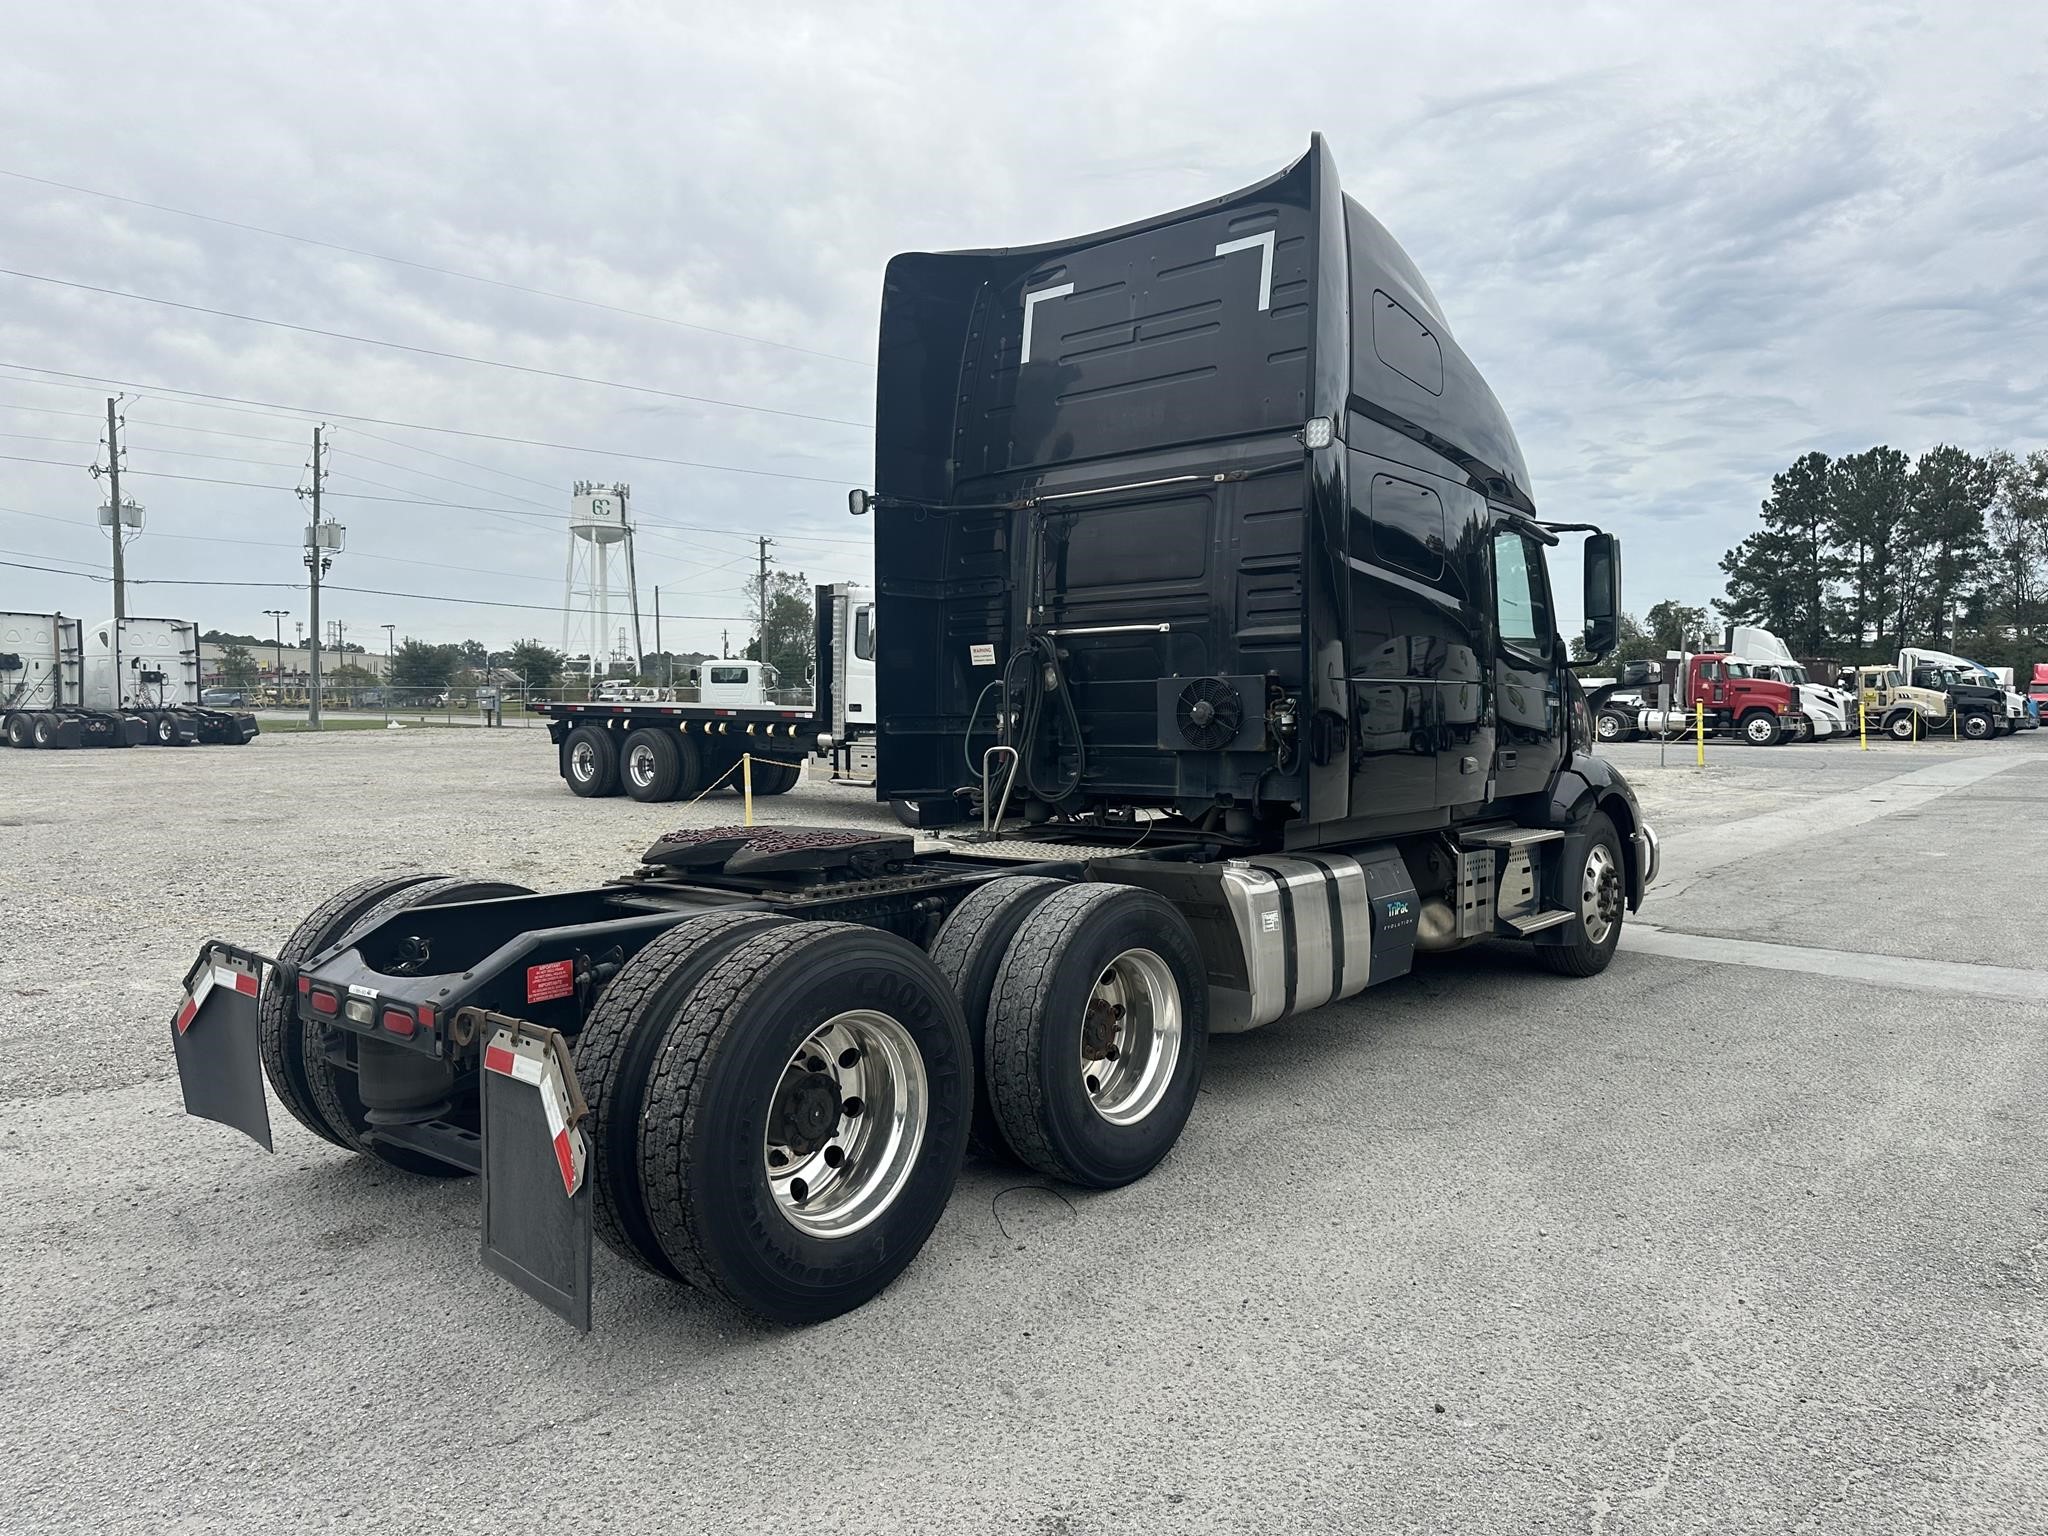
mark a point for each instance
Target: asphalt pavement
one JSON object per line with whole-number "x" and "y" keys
{"x": 1748, "y": 1234}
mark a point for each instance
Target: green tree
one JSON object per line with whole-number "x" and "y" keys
{"x": 1945, "y": 527}
{"x": 1676, "y": 626}
{"x": 789, "y": 631}
{"x": 538, "y": 666}
{"x": 418, "y": 667}
{"x": 1758, "y": 589}
{"x": 238, "y": 668}
{"x": 2016, "y": 529}
{"x": 1869, "y": 496}
{"x": 472, "y": 653}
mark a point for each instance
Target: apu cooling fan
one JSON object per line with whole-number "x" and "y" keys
{"x": 1209, "y": 714}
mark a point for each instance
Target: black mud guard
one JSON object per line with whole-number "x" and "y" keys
{"x": 536, "y": 1186}
{"x": 213, "y": 1034}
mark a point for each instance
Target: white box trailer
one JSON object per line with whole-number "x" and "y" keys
{"x": 120, "y": 683}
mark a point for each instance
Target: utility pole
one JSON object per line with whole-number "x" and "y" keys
{"x": 761, "y": 631}
{"x": 725, "y": 645}
{"x": 388, "y": 629}
{"x": 314, "y": 561}
{"x": 114, "y": 485}
{"x": 668, "y": 666}
{"x": 277, "y": 616}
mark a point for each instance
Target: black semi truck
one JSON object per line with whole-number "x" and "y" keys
{"x": 1211, "y": 587}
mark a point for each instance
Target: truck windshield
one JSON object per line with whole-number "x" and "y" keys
{"x": 1740, "y": 669}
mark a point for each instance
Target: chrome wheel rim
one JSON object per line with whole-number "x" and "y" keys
{"x": 1759, "y": 729}
{"x": 846, "y": 1119}
{"x": 640, "y": 765}
{"x": 1131, "y": 1035}
{"x": 1608, "y": 727}
{"x": 1600, "y": 893}
{"x": 583, "y": 761}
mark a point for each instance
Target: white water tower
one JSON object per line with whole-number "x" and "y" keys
{"x": 601, "y": 593}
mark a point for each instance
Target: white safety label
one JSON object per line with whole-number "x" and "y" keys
{"x": 981, "y": 655}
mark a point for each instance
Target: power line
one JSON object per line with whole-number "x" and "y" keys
{"x": 306, "y": 414}
{"x": 434, "y": 352}
{"x": 421, "y": 266}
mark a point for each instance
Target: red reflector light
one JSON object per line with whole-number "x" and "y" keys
{"x": 305, "y": 983}
{"x": 326, "y": 1002}
{"x": 397, "y": 1023}
{"x": 427, "y": 1016}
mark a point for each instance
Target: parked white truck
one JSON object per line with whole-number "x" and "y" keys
{"x": 122, "y": 683}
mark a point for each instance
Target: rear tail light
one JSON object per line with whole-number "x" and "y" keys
{"x": 326, "y": 1002}
{"x": 399, "y": 1023}
{"x": 427, "y": 1017}
{"x": 305, "y": 984}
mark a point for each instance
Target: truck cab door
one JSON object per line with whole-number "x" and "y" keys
{"x": 1528, "y": 702}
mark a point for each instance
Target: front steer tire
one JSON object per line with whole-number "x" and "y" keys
{"x": 1098, "y": 967}
{"x": 615, "y": 1053}
{"x": 1593, "y": 883}
{"x": 739, "y": 1067}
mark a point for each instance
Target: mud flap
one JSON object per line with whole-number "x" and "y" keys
{"x": 536, "y": 1195}
{"x": 220, "y": 1067}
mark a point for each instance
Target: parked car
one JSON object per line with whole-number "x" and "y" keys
{"x": 222, "y": 697}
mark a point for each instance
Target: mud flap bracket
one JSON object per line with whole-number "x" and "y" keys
{"x": 214, "y": 1037}
{"x": 536, "y": 1190}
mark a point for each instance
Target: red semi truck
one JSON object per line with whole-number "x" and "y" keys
{"x": 1736, "y": 701}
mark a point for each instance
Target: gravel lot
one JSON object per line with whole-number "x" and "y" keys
{"x": 1712, "y": 1244}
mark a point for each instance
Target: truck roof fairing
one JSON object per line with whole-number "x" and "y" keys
{"x": 1263, "y": 308}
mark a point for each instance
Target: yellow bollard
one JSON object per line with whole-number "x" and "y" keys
{"x": 747, "y": 784}
{"x": 1699, "y": 725}
{"x": 1863, "y": 724}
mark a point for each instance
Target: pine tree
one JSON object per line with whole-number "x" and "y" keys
{"x": 1951, "y": 489}
{"x": 1783, "y": 576}
{"x": 1869, "y": 494}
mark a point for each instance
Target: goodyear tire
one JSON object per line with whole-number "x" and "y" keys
{"x": 652, "y": 763}
{"x": 590, "y": 763}
{"x": 1593, "y": 883}
{"x": 805, "y": 1119}
{"x": 333, "y": 1084}
{"x": 969, "y": 951}
{"x": 1098, "y": 1032}
{"x": 615, "y": 1053}
{"x": 281, "y": 1036}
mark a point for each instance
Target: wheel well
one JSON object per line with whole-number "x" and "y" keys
{"x": 1624, "y": 819}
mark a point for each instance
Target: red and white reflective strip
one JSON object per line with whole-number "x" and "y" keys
{"x": 212, "y": 976}
{"x": 529, "y": 1061}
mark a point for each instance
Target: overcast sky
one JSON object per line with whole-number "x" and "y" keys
{"x": 1685, "y": 244}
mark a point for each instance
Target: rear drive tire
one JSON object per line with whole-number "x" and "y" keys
{"x": 20, "y": 731}
{"x": 44, "y": 733}
{"x": 281, "y": 1035}
{"x": 774, "y": 778}
{"x": 905, "y": 812}
{"x": 615, "y": 1053}
{"x": 590, "y": 763}
{"x": 969, "y": 951}
{"x": 1594, "y": 883}
{"x": 651, "y": 763}
{"x": 762, "y": 1186}
{"x": 1098, "y": 1031}
{"x": 333, "y": 1085}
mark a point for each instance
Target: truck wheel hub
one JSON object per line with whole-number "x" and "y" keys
{"x": 845, "y": 1123}
{"x": 1131, "y": 1036}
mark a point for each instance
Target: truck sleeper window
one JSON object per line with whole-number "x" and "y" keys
{"x": 728, "y": 674}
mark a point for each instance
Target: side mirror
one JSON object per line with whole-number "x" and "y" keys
{"x": 1603, "y": 594}
{"x": 858, "y": 502}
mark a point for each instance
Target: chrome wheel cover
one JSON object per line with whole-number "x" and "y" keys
{"x": 1600, "y": 894}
